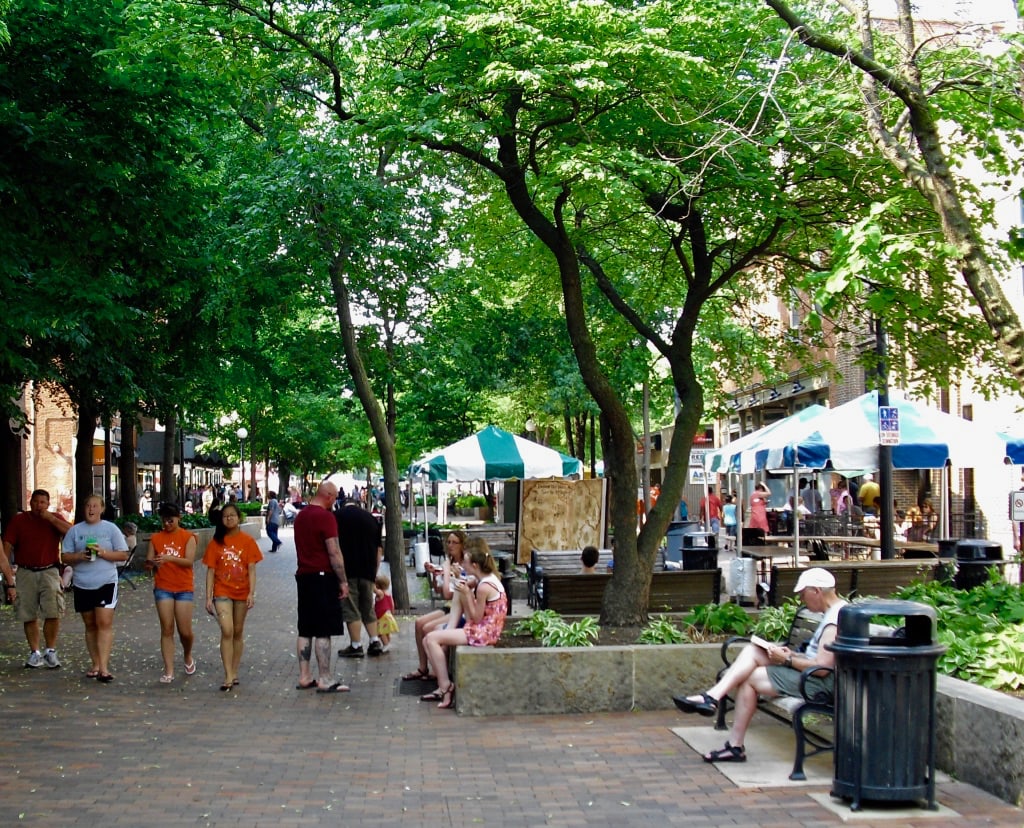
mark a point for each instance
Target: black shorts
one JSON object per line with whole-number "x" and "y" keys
{"x": 87, "y": 600}
{"x": 319, "y": 606}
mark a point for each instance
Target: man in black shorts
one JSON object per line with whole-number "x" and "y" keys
{"x": 359, "y": 534}
{"x": 322, "y": 586}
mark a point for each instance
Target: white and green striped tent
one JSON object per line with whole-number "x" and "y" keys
{"x": 493, "y": 454}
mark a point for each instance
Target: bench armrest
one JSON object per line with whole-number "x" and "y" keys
{"x": 820, "y": 672}
{"x": 728, "y": 644}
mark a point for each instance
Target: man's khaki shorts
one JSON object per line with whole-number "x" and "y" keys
{"x": 39, "y": 594}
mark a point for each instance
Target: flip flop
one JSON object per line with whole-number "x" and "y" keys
{"x": 337, "y": 687}
{"x": 226, "y": 688}
{"x": 106, "y": 678}
{"x": 310, "y": 686}
{"x": 190, "y": 669}
{"x": 166, "y": 679}
{"x": 92, "y": 674}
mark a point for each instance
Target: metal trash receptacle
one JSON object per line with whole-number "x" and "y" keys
{"x": 743, "y": 580}
{"x": 700, "y": 550}
{"x": 422, "y": 552}
{"x": 885, "y": 704}
{"x": 974, "y": 558}
{"x": 674, "y": 538}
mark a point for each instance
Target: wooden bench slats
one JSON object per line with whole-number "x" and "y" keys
{"x": 856, "y": 578}
{"x": 670, "y": 591}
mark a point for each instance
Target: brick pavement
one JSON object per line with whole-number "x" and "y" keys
{"x": 138, "y": 753}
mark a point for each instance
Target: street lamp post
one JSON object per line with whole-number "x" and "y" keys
{"x": 242, "y": 433}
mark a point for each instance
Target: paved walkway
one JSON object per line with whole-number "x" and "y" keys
{"x": 139, "y": 753}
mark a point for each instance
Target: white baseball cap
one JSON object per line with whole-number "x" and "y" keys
{"x": 816, "y": 577}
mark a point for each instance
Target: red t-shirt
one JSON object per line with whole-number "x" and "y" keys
{"x": 382, "y": 605}
{"x": 314, "y": 526}
{"x": 36, "y": 542}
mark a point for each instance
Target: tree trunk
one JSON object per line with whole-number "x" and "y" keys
{"x": 168, "y": 491}
{"x": 83, "y": 458}
{"x": 394, "y": 543}
{"x": 11, "y": 474}
{"x": 127, "y": 469}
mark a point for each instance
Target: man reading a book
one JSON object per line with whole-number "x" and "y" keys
{"x": 772, "y": 670}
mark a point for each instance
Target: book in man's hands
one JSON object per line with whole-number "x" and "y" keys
{"x": 760, "y": 642}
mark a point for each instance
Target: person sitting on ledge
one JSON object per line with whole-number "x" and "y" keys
{"x": 589, "y": 559}
{"x": 773, "y": 671}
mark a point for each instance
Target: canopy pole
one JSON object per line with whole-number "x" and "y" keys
{"x": 796, "y": 517}
{"x": 887, "y": 539}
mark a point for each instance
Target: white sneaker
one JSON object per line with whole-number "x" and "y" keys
{"x": 35, "y": 659}
{"x": 50, "y": 658}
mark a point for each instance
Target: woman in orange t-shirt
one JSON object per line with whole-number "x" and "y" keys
{"x": 231, "y": 559}
{"x": 172, "y": 553}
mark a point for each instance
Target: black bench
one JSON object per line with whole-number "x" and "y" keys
{"x": 857, "y": 579}
{"x": 670, "y": 591}
{"x": 791, "y": 709}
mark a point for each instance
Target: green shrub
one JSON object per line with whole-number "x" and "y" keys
{"x": 662, "y": 630}
{"x": 551, "y": 630}
{"x": 720, "y": 618}
{"x": 470, "y": 502}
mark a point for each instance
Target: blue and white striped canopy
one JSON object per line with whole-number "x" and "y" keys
{"x": 848, "y": 437}
{"x": 750, "y": 452}
{"x": 493, "y": 454}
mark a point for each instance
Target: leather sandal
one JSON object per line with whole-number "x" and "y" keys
{"x": 708, "y": 706}
{"x": 729, "y": 753}
{"x": 421, "y": 674}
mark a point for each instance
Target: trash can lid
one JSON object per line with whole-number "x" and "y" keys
{"x": 978, "y": 549}
{"x": 854, "y": 627}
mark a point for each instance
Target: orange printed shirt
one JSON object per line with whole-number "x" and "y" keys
{"x": 230, "y": 562}
{"x": 171, "y": 577}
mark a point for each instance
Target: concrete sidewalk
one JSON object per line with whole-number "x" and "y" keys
{"x": 139, "y": 753}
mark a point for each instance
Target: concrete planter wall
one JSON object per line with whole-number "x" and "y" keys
{"x": 979, "y": 731}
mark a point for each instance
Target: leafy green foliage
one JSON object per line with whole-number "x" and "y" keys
{"x": 662, "y": 630}
{"x": 548, "y": 627}
{"x": 720, "y": 618}
{"x": 773, "y": 623}
{"x": 981, "y": 629}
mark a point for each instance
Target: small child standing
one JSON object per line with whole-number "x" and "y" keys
{"x": 383, "y": 605}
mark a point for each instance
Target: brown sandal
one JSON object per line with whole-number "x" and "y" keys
{"x": 421, "y": 674}
{"x": 447, "y": 698}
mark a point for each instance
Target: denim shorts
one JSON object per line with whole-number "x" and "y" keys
{"x": 164, "y": 595}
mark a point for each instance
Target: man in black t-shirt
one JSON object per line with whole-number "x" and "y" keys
{"x": 359, "y": 534}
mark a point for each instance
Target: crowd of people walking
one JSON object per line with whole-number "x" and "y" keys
{"x": 339, "y": 587}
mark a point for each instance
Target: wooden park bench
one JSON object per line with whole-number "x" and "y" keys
{"x": 556, "y": 562}
{"x": 670, "y": 591}
{"x": 793, "y": 710}
{"x": 857, "y": 579}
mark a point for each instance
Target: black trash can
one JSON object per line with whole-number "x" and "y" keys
{"x": 885, "y": 704}
{"x": 700, "y": 550}
{"x": 974, "y": 558}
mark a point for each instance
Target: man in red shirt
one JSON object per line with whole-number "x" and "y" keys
{"x": 711, "y": 509}
{"x": 32, "y": 540}
{"x": 322, "y": 586}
